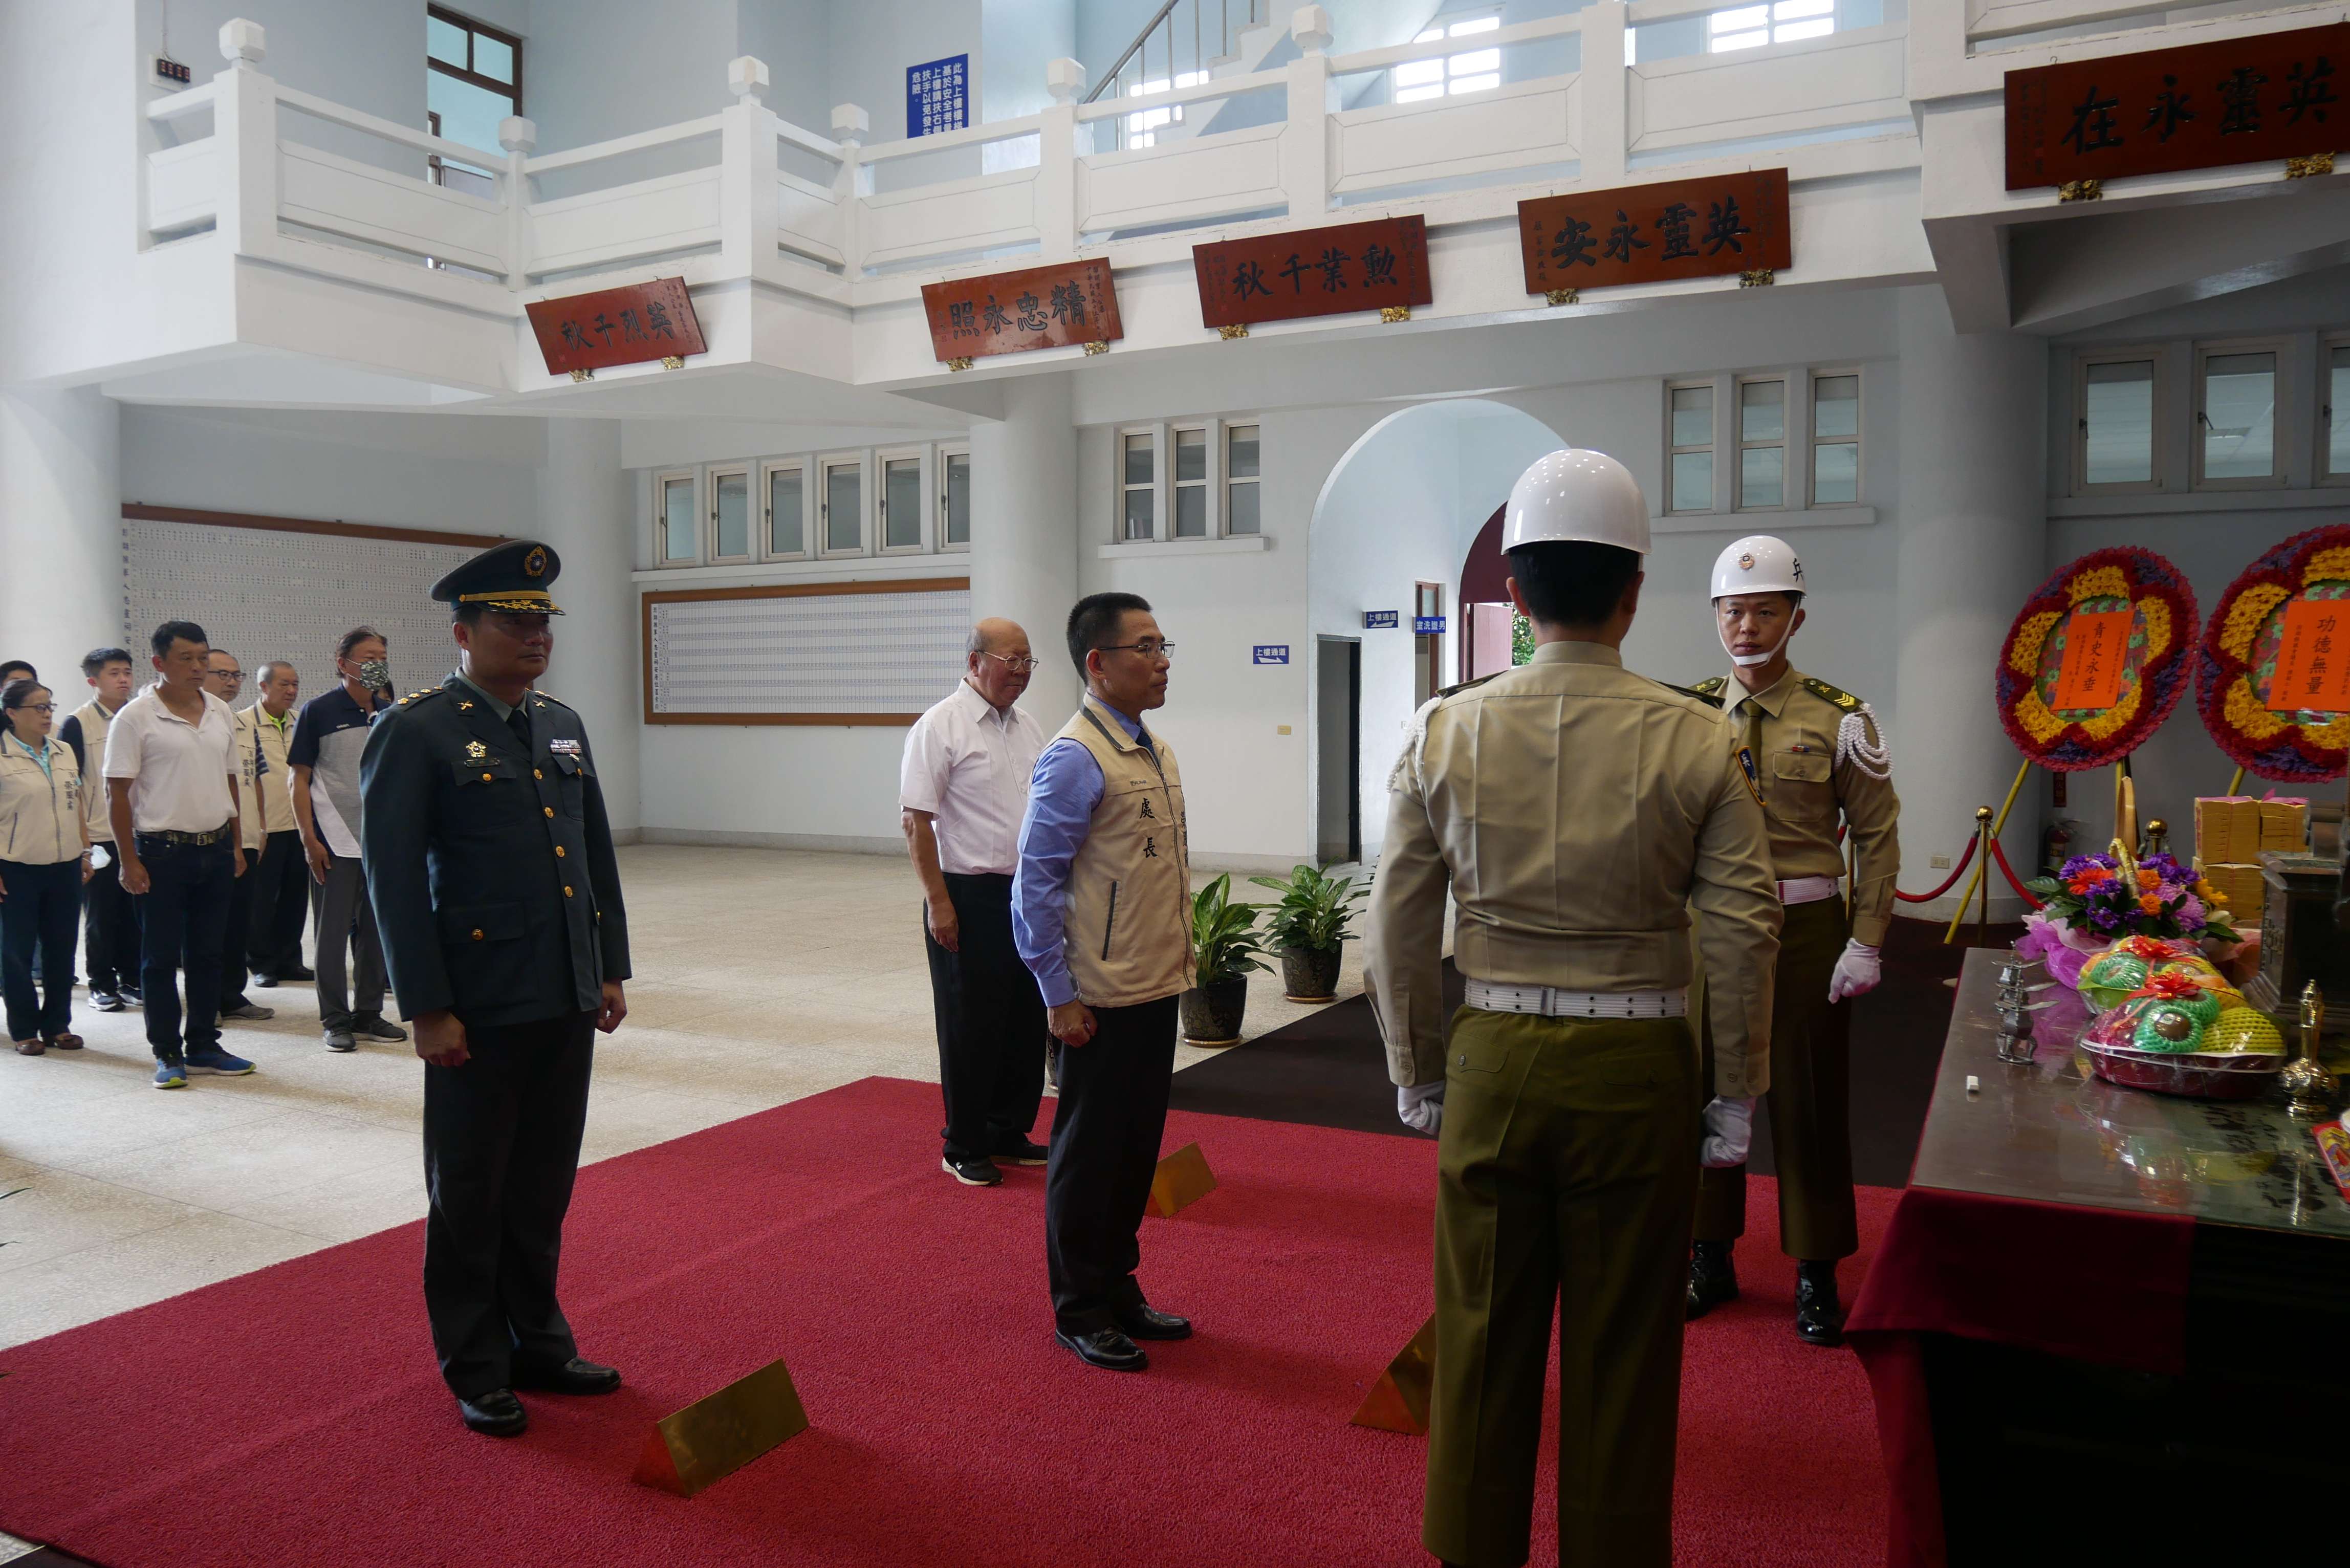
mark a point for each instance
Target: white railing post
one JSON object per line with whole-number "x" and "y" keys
{"x": 519, "y": 137}
{"x": 1056, "y": 161}
{"x": 747, "y": 207}
{"x": 849, "y": 128}
{"x": 245, "y": 133}
{"x": 1600, "y": 140}
{"x": 1305, "y": 141}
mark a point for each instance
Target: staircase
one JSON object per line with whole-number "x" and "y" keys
{"x": 1184, "y": 42}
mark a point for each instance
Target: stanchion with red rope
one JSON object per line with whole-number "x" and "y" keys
{"x": 1956, "y": 871}
{"x": 2012, "y": 880}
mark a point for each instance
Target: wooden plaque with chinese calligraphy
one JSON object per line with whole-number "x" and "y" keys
{"x": 1657, "y": 233}
{"x": 2241, "y": 101}
{"x": 1314, "y": 272}
{"x": 1012, "y": 312}
{"x": 617, "y": 326}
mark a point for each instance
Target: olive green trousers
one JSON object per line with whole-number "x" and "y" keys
{"x": 1809, "y": 1102}
{"x": 1568, "y": 1171}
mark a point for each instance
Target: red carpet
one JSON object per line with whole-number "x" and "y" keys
{"x": 293, "y": 1416}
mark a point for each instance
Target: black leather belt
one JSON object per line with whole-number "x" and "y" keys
{"x": 190, "y": 840}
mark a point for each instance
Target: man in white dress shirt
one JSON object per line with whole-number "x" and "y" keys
{"x": 962, "y": 792}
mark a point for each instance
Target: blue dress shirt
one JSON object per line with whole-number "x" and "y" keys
{"x": 1062, "y": 796}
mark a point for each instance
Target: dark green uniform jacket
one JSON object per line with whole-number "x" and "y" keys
{"x": 490, "y": 866}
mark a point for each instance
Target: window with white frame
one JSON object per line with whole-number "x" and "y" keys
{"x": 954, "y": 498}
{"x": 1143, "y": 126}
{"x": 730, "y": 514}
{"x": 1190, "y": 484}
{"x": 2235, "y": 417}
{"x": 840, "y": 508}
{"x": 678, "y": 519}
{"x": 1780, "y": 22}
{"x": 1836, "y": 438}
{"x": 2334, "y": 411}
{"x": 1690, "y": 410}
{"x": 2113, "y": 434}
{"x": 1762, "y": 444}
{"x": 1468, "y": 70}
{"x": 1242, "y": 515}
{"x": 903, "y": 509}
{"x": 786, "y": 487}
{"x": 1137, "y": 484}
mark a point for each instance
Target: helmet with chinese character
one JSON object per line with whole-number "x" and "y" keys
{"x": 1574, "y": 495}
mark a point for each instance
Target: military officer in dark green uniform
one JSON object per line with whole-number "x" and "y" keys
{"x": 489, "y": 860}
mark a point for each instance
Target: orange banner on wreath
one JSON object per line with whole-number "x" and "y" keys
{"x": 2313, "y": 668}
{"x": 2095, "y": 647}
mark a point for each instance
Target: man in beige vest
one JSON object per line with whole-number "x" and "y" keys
{"x": 1575, "y": 811}
{"x": 1101, "y": 912}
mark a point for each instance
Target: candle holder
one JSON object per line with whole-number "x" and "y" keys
{"x": 2016, "y": 1008}
{"x": 2310, "y": 1087}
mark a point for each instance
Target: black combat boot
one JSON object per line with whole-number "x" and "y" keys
{"x": 1819, "y": 1317}
{"x": 1712, "y": 1278}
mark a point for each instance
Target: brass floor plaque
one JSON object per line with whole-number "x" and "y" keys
{"x": 720, "y": 1433}
{"x": 1398, "y": 1402}
{"x": 1182, "y": 1180}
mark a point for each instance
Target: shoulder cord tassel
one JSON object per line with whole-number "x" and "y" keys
{"x": 1873, "y": 758}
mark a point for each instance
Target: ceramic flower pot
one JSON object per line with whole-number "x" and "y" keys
{"x": 1212, "y": 1012}
{"x": 1310, "y": 974}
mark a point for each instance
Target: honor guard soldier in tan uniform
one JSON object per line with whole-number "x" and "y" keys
{"x": 1821, "y": 762}
{"x": 1578, "y": 812}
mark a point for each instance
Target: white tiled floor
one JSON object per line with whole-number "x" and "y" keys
{"x": 762, "y": 976}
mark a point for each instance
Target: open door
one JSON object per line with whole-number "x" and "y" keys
{"x": 1338, "y": 748}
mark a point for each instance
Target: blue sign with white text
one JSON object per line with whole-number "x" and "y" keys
{"x": 1428, "y": 625}
{"x": 1374, "y": 619}
{"x": 1274, "y": 653}
{"x": 937, "y": 96}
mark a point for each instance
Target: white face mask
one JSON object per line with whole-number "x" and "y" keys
{"x": 1748, "y": 660}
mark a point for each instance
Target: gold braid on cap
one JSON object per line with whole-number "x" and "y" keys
{"x": 508, "y": 595}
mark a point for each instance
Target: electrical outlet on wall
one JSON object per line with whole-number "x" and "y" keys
{"x": 1938, "y": 863}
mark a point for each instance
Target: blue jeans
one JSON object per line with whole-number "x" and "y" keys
{"x": 39, "y": 911}
{"x": 181, "y": 918}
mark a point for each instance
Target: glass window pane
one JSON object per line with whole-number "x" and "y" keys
{"x": 444, "y": 41}
{"x": 677, "y": 520}
{"x": 1762, "y": 410}
{"x": 2240, "y": 416}
{"x": 1836, "y": 406}
{"x": 1239, "y": 509}
{"x": 786, "y": 525}
{"x": 1240, "y": 450}
{"x": 2337, "y": 401}
{"x": 1419, "y": 72}
{"x": 1475, "y": 60}
{"x": 468, "y": 114}
{"x": 901, "y": 500}
{"x": 1138, "y": 513}
{"x": 1477, "y": 83}
{"x": 1793, "y": 32}
{"x": 1192, "y": 511}
{"x": 1693, "y": 417}
{"x": 2119, "y": 408}
{"x": 733, "y": 508}
{"x": 843, "y": 496}
{"x": 1836, "y": 472}
{"x": 1476, "y": 24}
{"x": 1762, "y": 476}
{"x": 1692, "y": 482}
{"x": 496, "y": 60}
{"x": 1190, "y": 455}
{"x": 958, "y": 498}
{"x": 1138, "y": 460}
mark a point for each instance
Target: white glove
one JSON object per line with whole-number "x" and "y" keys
{"x": 1729, "y": 1131}
{"x": 1857, "y": 970}
{"x": 1421, "y": 1105}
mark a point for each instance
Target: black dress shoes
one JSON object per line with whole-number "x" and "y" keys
{"x": 1819, "y": 1317}
{"x": 1106, "y": 1347}
{"x": 496, "y": 1414}
{"x": 574, "y": 1376}
{"x": 1712, "y": 1277}
{"x": 1025, "y": 1153}
{"x": 1147, "y": 1322}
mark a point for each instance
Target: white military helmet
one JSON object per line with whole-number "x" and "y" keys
{"x": 1577, "y": 495}
{"x": 1757, "y": 564}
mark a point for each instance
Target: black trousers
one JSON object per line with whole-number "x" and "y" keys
{"x": 180, "y": 919}
{"x": 1106, "y": 1133}
{"x": 281, "y": 895}
{"x": 991, "y": 1020}
{"x": 233, "y": 933}
{"x": 39, "y": 913}
{"x": 501, "y": 1148}
{"x": 110, "y": 928}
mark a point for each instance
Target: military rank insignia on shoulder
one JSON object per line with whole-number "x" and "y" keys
{"x": 1464, "y": 686}
{"x": 1830, "y": 694}
{"x": 1706, "y": 691}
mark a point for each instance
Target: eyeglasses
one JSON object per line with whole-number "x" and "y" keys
{"x": 1148, "y": 650}
{"x": 36, "y": 708}
{"x": 234, "y": 676}
{"x": 1018, "y": 666}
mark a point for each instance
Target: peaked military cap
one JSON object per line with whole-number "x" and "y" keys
{"x": 513, "y": 576}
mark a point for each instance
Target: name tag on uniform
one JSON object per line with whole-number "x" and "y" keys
{"x": 564, "y": 748}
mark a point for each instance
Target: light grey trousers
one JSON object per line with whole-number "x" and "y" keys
{"x": 345, "y": 921}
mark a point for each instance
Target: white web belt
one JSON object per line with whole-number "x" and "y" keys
{"x": 1549, "y": 1002}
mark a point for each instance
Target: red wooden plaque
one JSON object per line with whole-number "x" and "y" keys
{"x": 1012, "y": 312}
{"x": 1657, "y": 233}
{"x": 2241, "y": 101}
{"x": 617, "y": 326}
{"x": 1314, "y": 272}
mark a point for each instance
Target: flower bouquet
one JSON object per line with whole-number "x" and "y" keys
{"x": 2103, "y": 898}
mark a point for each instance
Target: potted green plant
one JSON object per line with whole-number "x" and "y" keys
{"x": 1309, "y": 928}
{"x": 1224, "y": 949}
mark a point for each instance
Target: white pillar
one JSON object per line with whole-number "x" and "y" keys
{"x": 587, "y": 512}
{"x": 1974, "y": 526}
{"x": 60, "y": 533}
{"x": 1024, "y": 530}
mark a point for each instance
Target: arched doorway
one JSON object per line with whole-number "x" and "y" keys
{"x": 1489, "y": 621}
